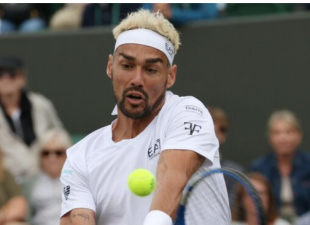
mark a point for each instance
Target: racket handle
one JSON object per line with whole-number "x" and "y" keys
{"x": 180, "y": 216}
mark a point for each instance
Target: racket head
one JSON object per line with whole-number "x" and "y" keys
{"x": 205, "y": 200}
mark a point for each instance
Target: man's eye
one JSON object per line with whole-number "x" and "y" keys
{"x": 150, "y": 70}
{"x": 126, "y": 66}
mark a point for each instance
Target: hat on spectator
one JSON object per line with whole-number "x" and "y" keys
{"x": 11, "y": 62}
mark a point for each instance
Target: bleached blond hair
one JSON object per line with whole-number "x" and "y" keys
{"x": 151, "y": 21}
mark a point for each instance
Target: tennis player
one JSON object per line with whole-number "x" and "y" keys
{"x": 169, "y": 135}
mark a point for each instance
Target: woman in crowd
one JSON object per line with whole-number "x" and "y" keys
{"x": 244, "y": 211}
{"x": 287, "y": 167}
{"x": 44, "y": 190}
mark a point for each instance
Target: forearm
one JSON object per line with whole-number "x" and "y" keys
{"x": 168, "y": 194}
{"x": 175, "y": 167}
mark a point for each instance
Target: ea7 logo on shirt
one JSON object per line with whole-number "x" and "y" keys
{"x": 194, "y": 109}
{"x": 67, "y": 191}
{"x": 154, "y": 149}
{"x": 192, "y": 127}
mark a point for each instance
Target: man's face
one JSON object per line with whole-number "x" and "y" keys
{"x": 140, "y": 77}
{"x": 284, "y": 137}
{"x": 11, "y": 81}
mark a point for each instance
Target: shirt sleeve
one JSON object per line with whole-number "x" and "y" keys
{"x": 190, "y": 127}
{"x": 75, "y": 183}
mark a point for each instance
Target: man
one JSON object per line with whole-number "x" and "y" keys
{"x": 24, "y": 117}
{"x": 169, "y": 135}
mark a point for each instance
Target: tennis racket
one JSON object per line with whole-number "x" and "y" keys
{"x": 205, "y": 199}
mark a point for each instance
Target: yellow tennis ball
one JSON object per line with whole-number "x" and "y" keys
{"x": 141, "y": 182}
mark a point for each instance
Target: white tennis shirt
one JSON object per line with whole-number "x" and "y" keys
{"x": 96, "y": 170}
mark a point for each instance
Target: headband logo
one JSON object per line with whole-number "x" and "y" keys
{"x": 169, "y": 49}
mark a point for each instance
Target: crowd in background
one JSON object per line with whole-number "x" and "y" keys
{"x": 33, "y": 140}
{"x": 26, "y": 17}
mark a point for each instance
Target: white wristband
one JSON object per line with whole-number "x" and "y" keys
{"x": 157, "y": 217}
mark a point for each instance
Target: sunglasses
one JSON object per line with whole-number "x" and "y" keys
{"x": 58, "y": 153}
{"x": 11, "y": 73}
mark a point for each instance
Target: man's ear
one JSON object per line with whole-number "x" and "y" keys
{"x": 172, "y": 76}
{"x": 109, "y": 66}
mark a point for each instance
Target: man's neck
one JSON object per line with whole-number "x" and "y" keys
{"x": 10, "y": 102}
{"x": 127, "y": 128}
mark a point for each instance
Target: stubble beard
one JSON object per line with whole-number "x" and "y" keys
{"x": 147, "y": 110}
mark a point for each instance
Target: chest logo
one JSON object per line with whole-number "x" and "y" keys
{"x": 154, "y": 149}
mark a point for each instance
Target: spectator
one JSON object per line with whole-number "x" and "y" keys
{"x": 22, "y": 17}
{"x": 13, "y": 205}
{"x": 44, "y": 189}
{"x": 68, "y": 17}
{"x": 181, "y": 13}
{"x": 221, "y": 125}
{"x": 24, "y": 117}
{"x": 245, "y": 213}
{"x": 106, "y": 14}
{"x": 303, "y": 220}
{"x": 286, "y": 167}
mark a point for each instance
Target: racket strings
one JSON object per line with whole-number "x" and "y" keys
{"x": 208, "y": 192}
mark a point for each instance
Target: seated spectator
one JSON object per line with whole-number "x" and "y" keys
{"x": 24, "y": 117}
{"x": 244, "y": 212}
{"x": 21, "y": 17}
{"x": 68, "y": 17}
{"x": 181, "y": 13}
{"x": 13, "y": 205}
{"x": 107, "y": 14}
{"x": 287, "y": 167}
{"x": 303, "y": 220}
{"x": 221, "y": 125}
{"x": 44, "y": 190}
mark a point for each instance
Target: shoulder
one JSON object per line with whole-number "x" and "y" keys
{"x": 304, "y": 155}
{"x": 186, "y": 104}
{"x": 84, "y": 147}
{"x": 39, "y": 99}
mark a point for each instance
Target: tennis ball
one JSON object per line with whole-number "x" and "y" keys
{"x": 141, "y": 182}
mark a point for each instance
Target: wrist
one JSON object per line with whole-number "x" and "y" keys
{"x": 157, "y": 217}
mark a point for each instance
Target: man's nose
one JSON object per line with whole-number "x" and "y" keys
{"x": 137, "y": 78}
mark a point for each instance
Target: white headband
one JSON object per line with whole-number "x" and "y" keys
{"x": 148, "y": 38}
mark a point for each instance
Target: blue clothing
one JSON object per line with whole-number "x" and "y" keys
{"x": 300, "y": 178}
{"x": 183, "y": 13}
{"x": 30, "y": 25}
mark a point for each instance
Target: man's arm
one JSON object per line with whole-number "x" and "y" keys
{"x": 79, "y": 217}
{"x": 175, "y": 168}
